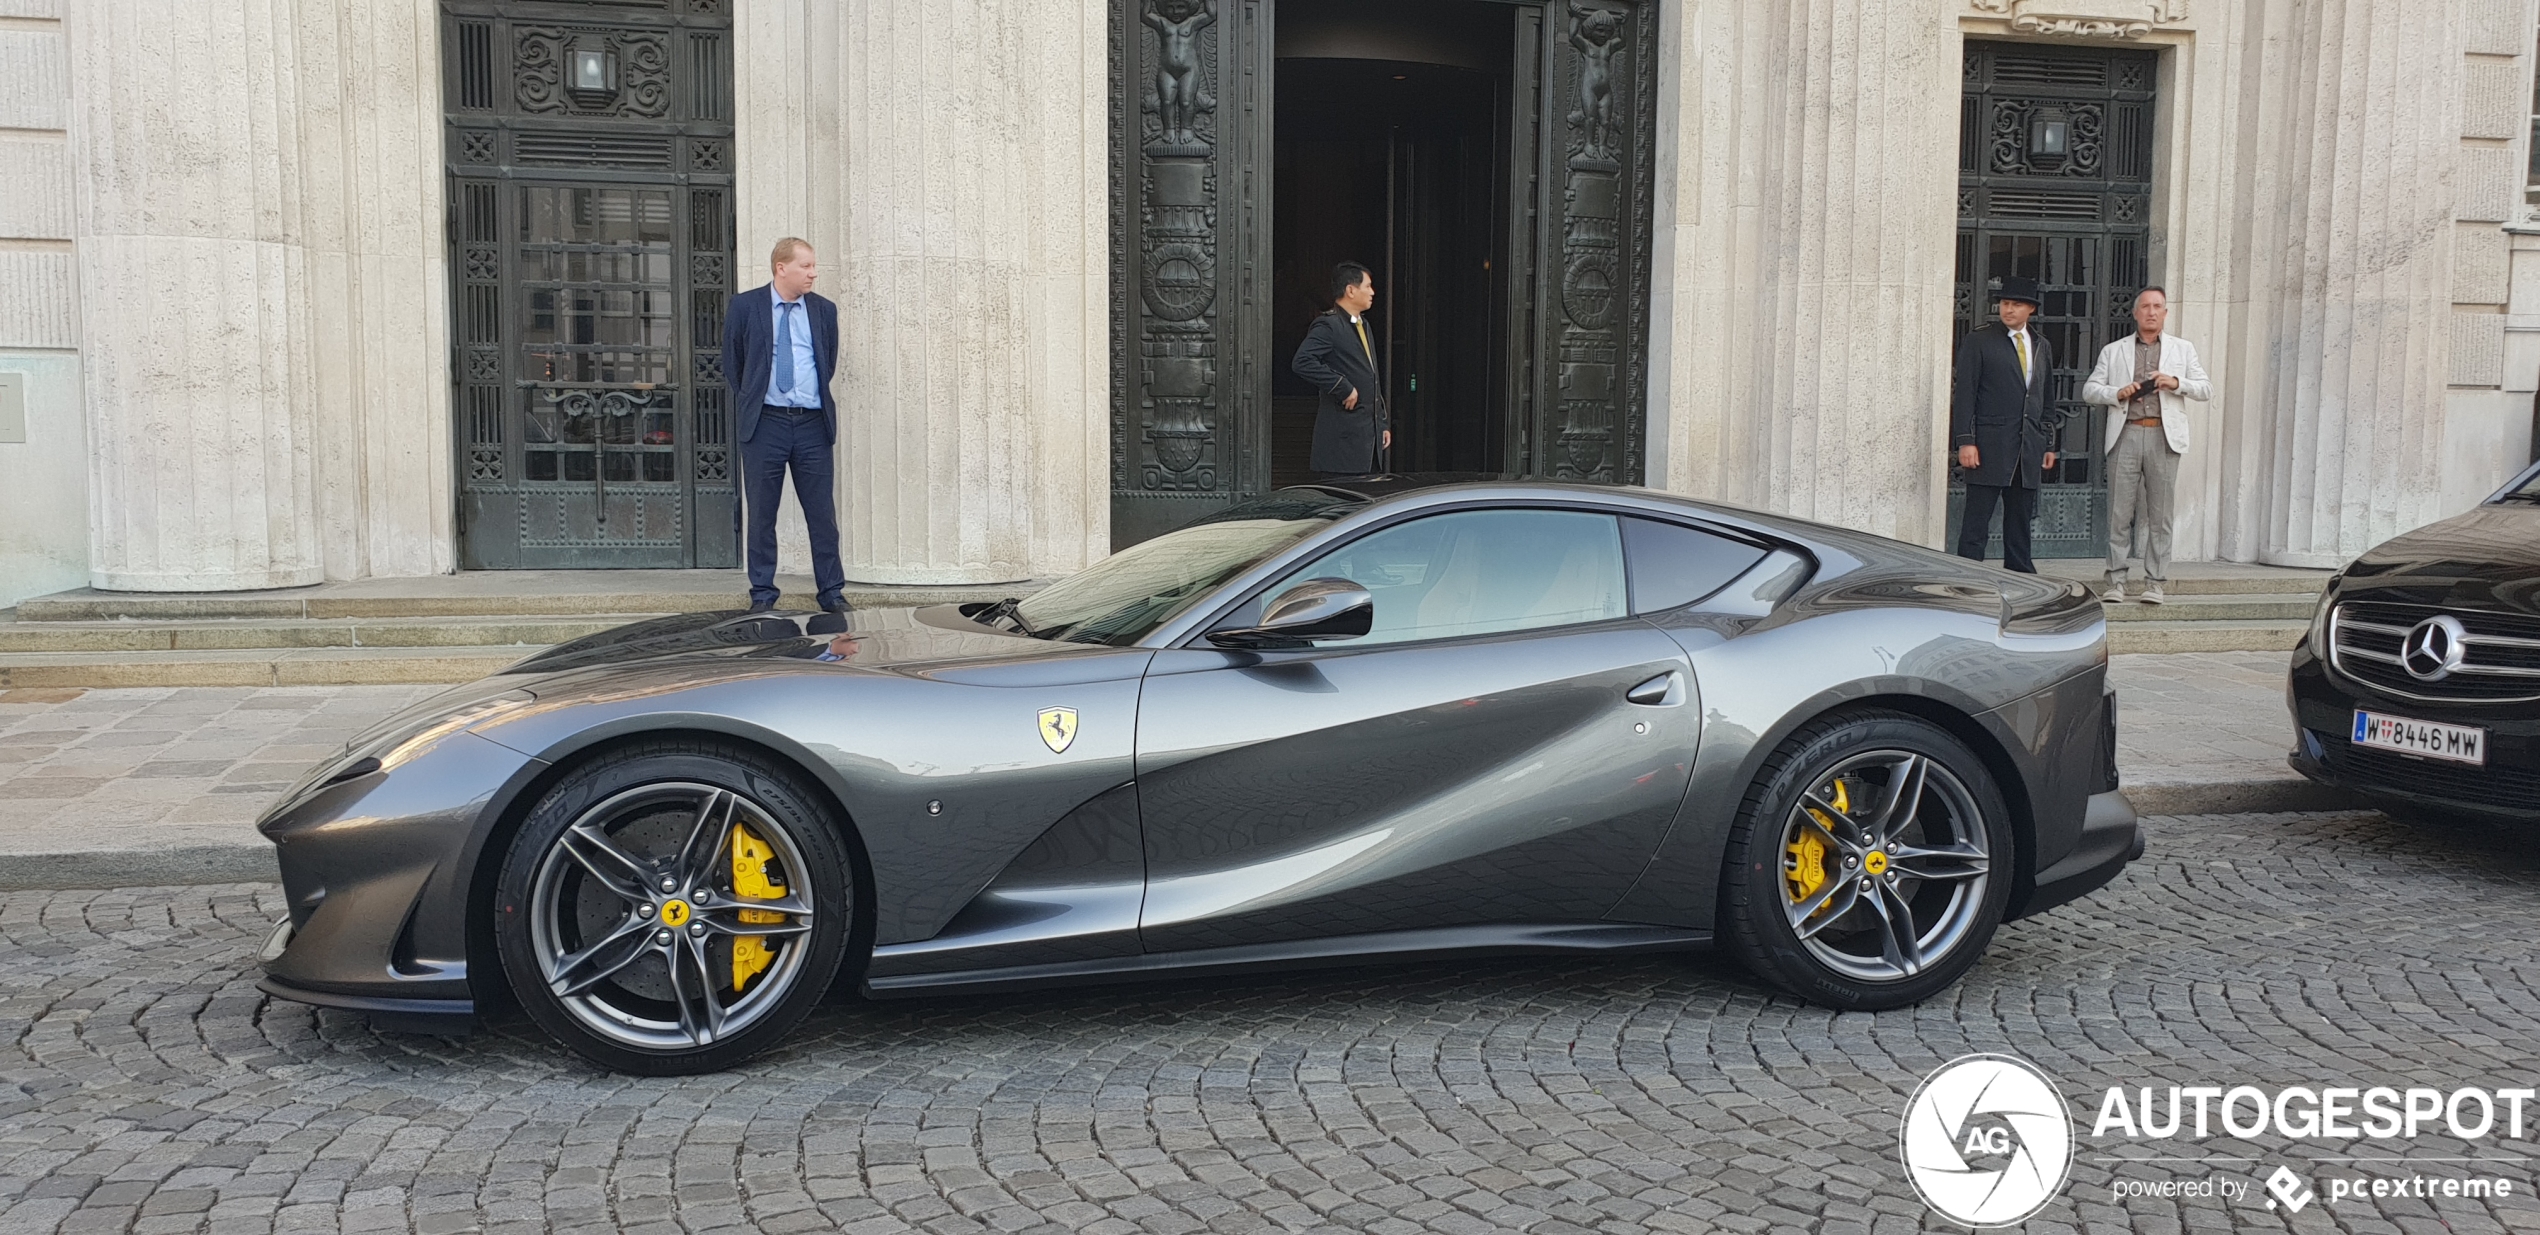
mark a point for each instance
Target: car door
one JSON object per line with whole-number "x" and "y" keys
{"x": 1478, "y": 757}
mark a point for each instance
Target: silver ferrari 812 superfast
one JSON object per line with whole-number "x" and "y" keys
{"x": 1381, "y": 720}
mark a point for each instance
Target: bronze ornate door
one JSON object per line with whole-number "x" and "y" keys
{"x": 1585, "y": 119}
{"x": 591, "y": 237}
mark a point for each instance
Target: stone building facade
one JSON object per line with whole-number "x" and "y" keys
{"x": 237, "y": 264}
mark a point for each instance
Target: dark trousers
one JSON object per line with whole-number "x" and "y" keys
{"x": 796, "y": 438}
{"x": 2019, "y": 510}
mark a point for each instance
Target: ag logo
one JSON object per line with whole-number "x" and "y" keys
{"x": 1058, "y": 729}
{"x": 1987, "y": 1140}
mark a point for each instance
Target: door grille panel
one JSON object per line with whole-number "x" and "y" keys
{"x": 591, "y": 245}
{"x": 2076, "y": 221}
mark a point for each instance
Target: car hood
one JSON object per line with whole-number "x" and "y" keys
{"x": 927, "y": 640}
{"x": 2488, "y": 558}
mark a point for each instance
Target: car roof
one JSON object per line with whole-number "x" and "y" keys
{"x": 1396, "y": 489}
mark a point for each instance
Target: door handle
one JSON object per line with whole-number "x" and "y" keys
{"x": 1656, "y": 692}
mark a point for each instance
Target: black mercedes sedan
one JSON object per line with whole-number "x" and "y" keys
{"x": 1383, "y": 720}
{"x": 2418, "y": 683}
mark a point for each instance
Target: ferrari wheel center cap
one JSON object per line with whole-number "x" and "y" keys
{"x": 1875, "y": 862}
{"x": 674, "y": 913}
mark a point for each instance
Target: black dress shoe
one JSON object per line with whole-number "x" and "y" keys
{"x": 838, "y": 606}
{"x": 763, "y": 606}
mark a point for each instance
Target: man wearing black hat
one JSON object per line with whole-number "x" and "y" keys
{"x": 1998, "y": 425}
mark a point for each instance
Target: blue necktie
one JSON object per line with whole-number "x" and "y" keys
{"x": 784, "y": 382}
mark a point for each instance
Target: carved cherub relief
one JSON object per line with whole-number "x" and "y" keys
{"x": 1597, "y": 34}
{"x": 1179, "y": 95}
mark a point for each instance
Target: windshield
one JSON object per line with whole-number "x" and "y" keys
{"x": 2527, "y": 491}
{"x": 1122, "y": 598}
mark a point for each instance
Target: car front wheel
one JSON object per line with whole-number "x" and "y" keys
{"x": 673, "y": 909}
{"x": 1870, "y": 864}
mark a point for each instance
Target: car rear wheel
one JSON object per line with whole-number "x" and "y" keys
{"x": 674, "y": 909}
{"x": 1870, "y": 864}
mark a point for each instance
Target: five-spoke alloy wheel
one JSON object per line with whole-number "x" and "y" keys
{"x": 1870, "y": 864}
{"x": 673, "y": 909}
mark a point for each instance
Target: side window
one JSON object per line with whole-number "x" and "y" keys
{"x": 1676, "y": 565}
{"x": 1479, "y": 572}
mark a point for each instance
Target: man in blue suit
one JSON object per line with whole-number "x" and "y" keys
{"x": 780, "y": 344}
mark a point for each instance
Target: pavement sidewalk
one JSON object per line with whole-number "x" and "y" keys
{"x": 134, "y": 787}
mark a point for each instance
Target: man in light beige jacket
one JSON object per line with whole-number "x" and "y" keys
{"x": 2145, "y": 380}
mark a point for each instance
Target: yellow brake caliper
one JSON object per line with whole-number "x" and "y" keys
{"x": 750, "y": 954}
{"x": 1805, "y": 870}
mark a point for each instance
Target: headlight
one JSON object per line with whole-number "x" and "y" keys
{"x": 397, "y": 748}
{"x": 400, "y": 739}
{"x": 2318, "y": 637}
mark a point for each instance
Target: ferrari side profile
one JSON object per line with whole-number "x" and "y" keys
{"x": 1382, "y": 720}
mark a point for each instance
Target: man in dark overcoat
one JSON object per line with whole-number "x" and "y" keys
{"x": 1998, "y": 424}
{"x": 1338, "y": 358}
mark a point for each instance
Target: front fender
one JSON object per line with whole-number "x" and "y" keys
{"x": 377, "y": 870}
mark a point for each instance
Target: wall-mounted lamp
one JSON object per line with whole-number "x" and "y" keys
{"x": 594, "y": 70}
{"x": 2049, "y": 135}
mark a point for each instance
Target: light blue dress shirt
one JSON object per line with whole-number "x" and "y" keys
{"x": 792, "y": 322}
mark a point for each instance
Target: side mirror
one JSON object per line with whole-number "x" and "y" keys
{"x": 1313, "y": 610}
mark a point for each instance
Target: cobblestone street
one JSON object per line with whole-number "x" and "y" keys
{"x": 149, "y": 1087}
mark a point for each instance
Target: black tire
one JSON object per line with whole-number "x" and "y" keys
{"x": 631, "y": 994}
{"x": 1855, "y": 958}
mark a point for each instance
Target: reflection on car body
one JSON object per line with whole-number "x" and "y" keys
{"x": 1388, "y": 719}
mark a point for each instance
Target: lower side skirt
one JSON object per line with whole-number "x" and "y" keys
{"x": 1388, "y": 947}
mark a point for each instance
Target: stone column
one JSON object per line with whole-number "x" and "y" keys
{"x": 947, "y": 162}
{"x": 1805, "y": 324}
{"x": 184, "y": 119}
{"x": 370, "y": 170}
{"x": 2363, "y": 101}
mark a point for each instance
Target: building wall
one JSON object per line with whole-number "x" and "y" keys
{"x": 44, "y": 480}
{"x": 234, "y": 326}
{"x": 948, "y": 163}
{"x": 2488, "y": 412}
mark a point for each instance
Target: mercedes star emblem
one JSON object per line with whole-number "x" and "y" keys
{"x": 2434, "y": 648}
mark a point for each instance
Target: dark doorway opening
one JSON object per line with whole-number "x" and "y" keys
{"x": 1391, "y": 148}
{"x": 1506, "y": 147}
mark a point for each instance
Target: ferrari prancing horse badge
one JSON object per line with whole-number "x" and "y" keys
{"x": 1058, "y": 729}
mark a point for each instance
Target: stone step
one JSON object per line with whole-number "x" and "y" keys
{"x": 211, "y": 634}
{"x": 483, "y": 594}
{"x": 256, "y": 667}
{"x": 2271, "y": 607}
{"x": 2212, "y": 636}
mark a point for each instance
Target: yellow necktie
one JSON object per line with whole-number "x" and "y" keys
{"x": 2019, "y": 339}
{"x": 1370, "y": 348}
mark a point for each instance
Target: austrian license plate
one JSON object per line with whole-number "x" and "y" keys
{"x": 2452, "y": 743}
